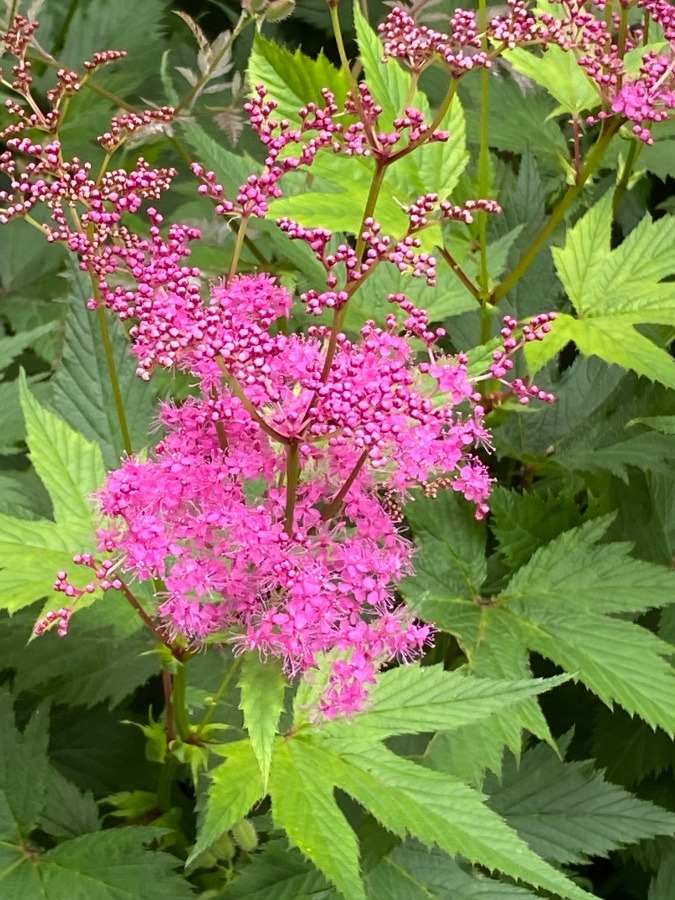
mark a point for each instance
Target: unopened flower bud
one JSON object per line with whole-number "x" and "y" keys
{"x": 253, "y": 7}
{"x": 223, "y": 847}
{"x": 245, "y": 835}
{"x": 279, "y": 10}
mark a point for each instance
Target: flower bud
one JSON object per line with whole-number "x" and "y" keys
{"x": 279, "y": 10}
{"x": 223, "y": 847}
{"x": 245, "y": 835}
{"x": 255, "y": 7}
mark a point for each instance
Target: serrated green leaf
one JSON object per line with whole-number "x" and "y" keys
{"x": 436, "y": 809}
{"x": 567, "y": 812}
{"x": 69, "y": 466}
{"x": 111, "y": 864}
{"x": 90, "y": 672}
{"x": 593, "y": 578}
{"x": 417, "y": 873}
{"x": 24, "y": 771}
{"x": 524, "y": 522}
{"x": 81, "y": 390}
{"x": 408, "y": 700}
{"x": 236, "y": 785}
{"x": 387, "y": 81}
{"x": 452, "y": 543}
{"x": 556, "y": 605}
{"x": 614, "y": 290}
{"x": 277, "y": 872}
{"x": 560, "y": 74}
{"x": 263, "y": 685}
{"x": 629, "y": 749}
{"x": 302, "y": 784}
{"x": 67, "y": 812}
{"x": 293, "y": 79}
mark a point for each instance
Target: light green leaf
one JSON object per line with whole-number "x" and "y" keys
{"x": 567, "y": 812}
{"x": 293, "y": 79}
{"x": 69, "y": 466}
{"x": 560, "y": 74}
{"x": 388, "y": 82}
{"x": 614, "y": 290}
{"x": 610, "y": 337}
{"x": 24, "y": 771}
{"x": 302, "y": 784}
{"x": 580, "y": 263}
{"x": 437, "y": 809}
{"x": 236, "y": 785}
{"x": 262, "y": 685}
{"x": 409, "y": 699}
{"x": 556, "y": 605}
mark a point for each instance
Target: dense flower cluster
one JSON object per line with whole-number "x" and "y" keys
{"x": 269, "y": 513}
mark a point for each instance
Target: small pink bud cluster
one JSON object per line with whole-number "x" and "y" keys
{"x": 502, "y": 362}
{"x": 61, "y": 617}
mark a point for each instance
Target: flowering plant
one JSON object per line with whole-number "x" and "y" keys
{"x": 341, "y": 369}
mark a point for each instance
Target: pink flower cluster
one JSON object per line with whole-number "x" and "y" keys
{"x": 270, "y": 511}
{"x": 294, "y": 559}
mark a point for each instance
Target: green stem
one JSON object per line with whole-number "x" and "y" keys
{"x": 238, "y": 245}
{"x": 193, "y": 93}
{"x": 628, "y": 169}
{"x": 224, "y": 684}
{"x": 371, "y": 202}
{"x": 166, "y": 777}
{"x": 112, "y": 373}
{"x": 179, "y": 701}
{"x": 547, "y": 229}
{"x": 459, "y": 272}
{"x": 292, "y": 480}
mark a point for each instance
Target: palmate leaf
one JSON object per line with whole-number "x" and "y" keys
{"x": 311, "y": 761}
{"x": 614, "y": 290}
{"x": 560, "y": 74}
{"x": 71, "y": 468}
{"x": 567, "y": 811}
{"x": 106, "y": 865}
{"x": 561, "y": 604}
